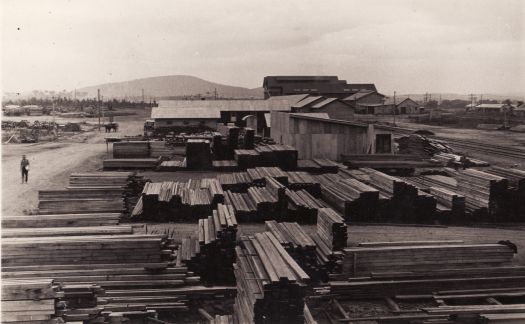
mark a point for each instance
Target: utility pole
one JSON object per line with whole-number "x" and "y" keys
{"x": 143, "y": 103}
{"x": 394, "y": 109}
{"x": 98, "y": 103}
{"x": 215, "y": 93}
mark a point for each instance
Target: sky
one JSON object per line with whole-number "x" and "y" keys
{"x": 417, "y": 46}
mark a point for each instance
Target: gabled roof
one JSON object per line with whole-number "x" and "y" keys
{"x": 399, "y": 100}
{"x": 324, "y": 103}
{"x": 185, "y": 113}
{"x": 361, "y": 94}
{"x": 306, "y": 101}
{"x": 492, "y": 106}
{"x": 270, "y": 104}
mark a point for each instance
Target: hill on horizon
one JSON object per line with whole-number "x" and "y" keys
{"x": 167, "y": 87}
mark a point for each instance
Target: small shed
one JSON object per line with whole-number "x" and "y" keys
{"x": 181, "y": 117}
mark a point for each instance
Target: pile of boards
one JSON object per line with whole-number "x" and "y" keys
{"x": 401, "y": 163}
{"x": 421, "y": 145}
{"x": 29, "y": 300}
{"x": 198, "y": 154}
{"x": 271, "y": 286}
{"x": 171, "y": 200}
{"x": 141, "y": 149}
{"x": 225, "y": 165}
{"x": 210, "y": 254}
{"x": 283, "y": 156}
{"x": 103, "y": 192}
{"x": 172, "y": 165}
{"x": 131, "y": 164}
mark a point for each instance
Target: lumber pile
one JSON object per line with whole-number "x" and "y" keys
{"x": 515, "y": 197}
{"x": 249, "y": 137}
{"x": 421, "y": 145}
{"x": 402, "y": 163}
{"x": 327, "y": 166}
{"x": 302, "y": 206}
{"x": 264, "y": 201}
{"x": 299, "y": 180}
{"x": 308, "y": 166}
{"x": 270, "y": 284}
{"x": 216, "y": 237}
{"x": 458, "y": 161}
{"x": 131, "y": 150}
{"x": 285, "y": 156}
{"x": 364, "y": 261}
{"x": 61, "y": 220}
{"x": 30, "y": 301}
{"x": 65, "y": 231}
{"x": 108, "y": 180}
{"x": 332, "y": 229}
{"x": 299, "y": 245}
{"x": 266, "y": 155}
{"x": 235, "y": 182}
{"x": 244, "y": 208}
{"x": 79, "y": 206}
{"x": 130, "y": 164}
{"x": 357, "y": 201}
{"x": 232, "y": 140}
{"x": 160, "y": 149}
{"x": 198, "y": 154}
{"x": 225, "y": 165}
{"x": 247, "y": 159}
{"x": 172, "y": 165}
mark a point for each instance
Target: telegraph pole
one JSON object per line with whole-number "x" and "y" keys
{"x": 98, "y": 104}
{"x": 394, "y": 110}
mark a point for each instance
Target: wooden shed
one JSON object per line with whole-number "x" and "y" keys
{"x": 316, "y": 137}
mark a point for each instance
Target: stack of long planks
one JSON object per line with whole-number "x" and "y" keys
{"x": 407, "y": 162}
{"x": 298, "y": 180}
{"x": 217, "y": 236}
{"x": 244, "y": 208}
{"x": 285, "y": 156}
{"x": 225, "y": 165}
{"x": 198, "y": 154}
{"x": 332, "y": 229}
{"x": 131, "y": 150}
{"x": 515, "y": 197}
{"x": 62, "y": 220}
{"x": 302, "y": 206}
{"x": 299, "y": 245}
{"x": 364, "y": 261}
{"x": 247, "y": 159}
{"x": 308, "y": 166}
{"x": 172, "y": 165}
{"x": 130, "y": 164}
{"x": 264, "y": 201}
{"x": 273, "y": 172}
{"x": 66, "y": 231}
{"x": 249, "y": 137}
{"x": 271, "y": 286}
{"x": 159, "y": 148}
{"x": 236, "y": 181}
{"x": 327, "y": 166}
{"x": 355, "y": 200}
{"x": 30, "y": 301}
{"x": 82, "y": 205}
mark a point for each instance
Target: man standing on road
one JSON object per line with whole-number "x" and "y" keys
{"x": 24, "y": 166}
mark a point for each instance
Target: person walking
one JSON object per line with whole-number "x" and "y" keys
{"x": 24, "y": 166}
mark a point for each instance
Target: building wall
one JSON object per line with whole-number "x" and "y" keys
{"x": 322, "y": 138}
{"x": 411, "y": 107}
{"x": 211, "y": 123}
{"x": 373, "y": 98}
{"x": 335, "y": 110}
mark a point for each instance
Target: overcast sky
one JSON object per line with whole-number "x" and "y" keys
{"x": 409, "y": 46}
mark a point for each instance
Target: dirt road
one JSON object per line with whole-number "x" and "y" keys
{"x": 52, "y": 163}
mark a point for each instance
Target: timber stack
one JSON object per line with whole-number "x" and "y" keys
{"x": 332, "y": 229}
{"x": 265, "y": 202}
{"x": 32, "y": 300}
{"x": 131, "y": 150}
{"x": 244, "y": 208}
{"x": 247, "y": 159}
{"x": 308, "y": 166}
{"x": 516, "y": 191}
{"x": 271, "y": 286}
{"x": 235, "y": 182}
{"x": 249, "y": 138}
{"x": 160, "y": 149}
{"x": 299, "y": 180}
{"x": 299, "y": 245}
{"x": 302, "y": 206}
{"x": 198, "y": 154}
{"x": 131, "y": 164}
{"x": 172, "y": 165}
{"x": 225, "y": 165}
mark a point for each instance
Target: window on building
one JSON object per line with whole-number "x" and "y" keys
{"x": 383, "y": 143}
{"x": 169, "y": 122}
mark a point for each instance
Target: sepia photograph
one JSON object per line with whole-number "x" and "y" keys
{"x": 262, "y": 162}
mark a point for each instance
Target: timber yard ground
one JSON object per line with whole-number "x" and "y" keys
{"x": 52, "y": 163}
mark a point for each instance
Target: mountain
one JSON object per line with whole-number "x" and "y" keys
{"x": 164, "y": 87}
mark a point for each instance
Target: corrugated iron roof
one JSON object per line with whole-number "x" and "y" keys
{"x": 358, "y": 95}
{"x": 324, "y": 103}
{"x": 273, "y": 103}
{"x": 399, "y": 100}
{"x": 306, "y": 101}
{"x": 185, "y": 113}
{"x": 316, "y": 115}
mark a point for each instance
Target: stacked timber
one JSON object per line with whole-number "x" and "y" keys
{"x": 247, "y": 159}
{"x": 273, "y": 172}
{"x": 22, "y": 251}
{"x": 198, "y": 154}
{"x": 299, "y": 245}
{"x": 402, "y": 163}
{"x": 61, "y": 220}
{"x": 308, "y": 166}
{"x": 249, "y": 137}
{"x": 516, "y": 191}
{"x": 30, "y": 301}
{"x": 236, "y": 181}
{"x": 267, "y": 156}
{"x": 82, "y": 205}
{"x": 172, "y": 165}
{"x": 196, "y": 203}
{"x": 487, "y": 186}
{"x": 65, "y": 231}
{"x": 302, "y": 206}
{"x": 160, "y": 149}
{"x": 299, "y": 180}
{"x": 285, "y": 156}
{"x": 331, "y": 260}
{"x": 130, "y": 164}
{"x": 422, "y": 145}
{"x": 278, "y": 190}
{"x": 244, "y": 208}
{"x": 103, "y": 179}
{"x": 332, "y": 229}
{"x": 256, "y": 178}
{"x": 327, "y": 166}
{"x": 270, "y": 284}
{"x": 215, "y": 189}
{"x": 225, "y": 165}
{"x": 357, "y": 201}
{"x": 216, "y": 240}
{"x": 365, "y": 261}
{"x": 131, "y": 150}
{"x": 233, "y": 140}
{"x": 265, "y": 202}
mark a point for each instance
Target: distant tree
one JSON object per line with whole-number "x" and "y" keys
{"x": 432, "y": 104}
